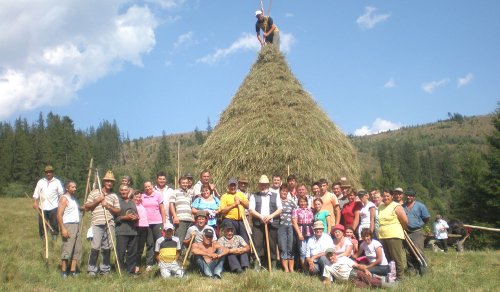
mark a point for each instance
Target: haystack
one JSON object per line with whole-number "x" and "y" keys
{"x": 271, "y": 125}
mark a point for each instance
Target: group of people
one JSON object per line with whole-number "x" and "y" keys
{"x": 342, "y": 235}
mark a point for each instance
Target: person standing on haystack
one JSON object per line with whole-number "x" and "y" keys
{"x": 270, "y": 30}
{"x": 104, "y": 205}
{"x": 48, "y": 190}
{"x": 68, "y": 217}
{"x": 265, "y": 208}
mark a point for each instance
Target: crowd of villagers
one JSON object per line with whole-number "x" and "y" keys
{"x": 343, "y": 235}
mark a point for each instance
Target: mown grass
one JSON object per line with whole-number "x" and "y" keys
{"x": 22, "y": 268}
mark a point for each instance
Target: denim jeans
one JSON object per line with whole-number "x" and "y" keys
{"x": 214, "y": 268}
{"x": 285, "y": 241}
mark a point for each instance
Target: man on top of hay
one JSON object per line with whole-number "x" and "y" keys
{"x": 48, "y": 190}
{"x": 265, "y": 208}
{"x": 271, "y": 31}
{"x": 330, "y": 201}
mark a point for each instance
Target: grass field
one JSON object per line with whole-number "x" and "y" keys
{"x": 22, "y": 268}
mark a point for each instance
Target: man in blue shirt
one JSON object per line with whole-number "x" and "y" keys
{"x": 418, "y": 216}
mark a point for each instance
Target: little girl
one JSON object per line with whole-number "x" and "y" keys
{"x": 349, "y": 233}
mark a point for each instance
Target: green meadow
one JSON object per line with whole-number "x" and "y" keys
{"x": 23, "y": 268}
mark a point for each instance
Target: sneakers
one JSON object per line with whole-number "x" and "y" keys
{"x": 73, "y": 274}
{"x": 92, "y": 274}
{"x": 149, "y": 268}
{"x": 217, "y": 277}
{"x": 64, "y": 275}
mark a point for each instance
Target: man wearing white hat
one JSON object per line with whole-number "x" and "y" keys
{"x": 271, "y": 31}
{"x": 265, "y": 208}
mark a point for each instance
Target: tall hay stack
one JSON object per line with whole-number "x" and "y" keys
{"x": 271, "y": 124}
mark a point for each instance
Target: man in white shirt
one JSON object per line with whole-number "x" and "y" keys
{"x": 47, "y": 191}
{"x": 205, "y": 179}
{"x": 265, "y": 208}
{"x": 166, "y": 191}
{"x": 440, "y": 229}
{"x": 315, "y": 249}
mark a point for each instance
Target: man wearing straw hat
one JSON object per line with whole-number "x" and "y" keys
{"x": 104, "y": 205}
{"x": 265, "y": 208}
{"x": 48, "y": 190}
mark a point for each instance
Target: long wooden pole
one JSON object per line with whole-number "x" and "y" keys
{"x": 107, "y": 226}
{"x": 482, "y": 228}
{"x": 87, "y": 191}
{"x": 249, "y": 234}
{"x": 45, "y": 235}
{"x": 268, "y": 249}
{"x": 415, "y": 250}
{"x": 188, "y": 250}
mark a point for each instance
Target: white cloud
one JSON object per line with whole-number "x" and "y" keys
{"x": 167, "y": 4}
{"x": 183, "y": 39}
{"x": 245, "y": 42}
{"x": 429, "y": 87}
{"x": 289, "y": 14}
{"x": 369, "y": 19}
{"x": 51, "y": 49}
{"x": 378, "y": 126}
{"x": 390, "y": 84}
{"x": 465, "y": 80}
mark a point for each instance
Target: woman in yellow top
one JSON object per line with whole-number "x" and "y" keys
{"x": 392, "y": 220}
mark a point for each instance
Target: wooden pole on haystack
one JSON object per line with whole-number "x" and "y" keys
{"x": 107, "y": 225}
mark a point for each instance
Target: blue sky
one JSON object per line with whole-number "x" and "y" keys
{"x": 165, "y": 65}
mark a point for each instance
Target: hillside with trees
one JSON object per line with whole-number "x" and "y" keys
{"x": 453, "y": 164}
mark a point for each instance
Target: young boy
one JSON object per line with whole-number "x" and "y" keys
{"x": 167, "y": 253}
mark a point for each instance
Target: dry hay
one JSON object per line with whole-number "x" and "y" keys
{"x": 271, "y": 124}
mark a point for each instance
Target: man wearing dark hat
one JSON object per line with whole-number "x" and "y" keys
{"x": 209, "y": 255}
{"x": 47, "y": 191}
{"x": 237, "y": 257}
{"x": 104, "y": 205}
{"x": 197, "y": 229}
{"x": 418, "y": 216}
{"x": 232, "y": 207}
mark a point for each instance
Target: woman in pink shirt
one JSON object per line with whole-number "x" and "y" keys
{"x": 142, "y": 227}
{"x": 153, "y": 203}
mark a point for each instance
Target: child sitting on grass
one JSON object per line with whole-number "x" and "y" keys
{"x": 167, "y": 253}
